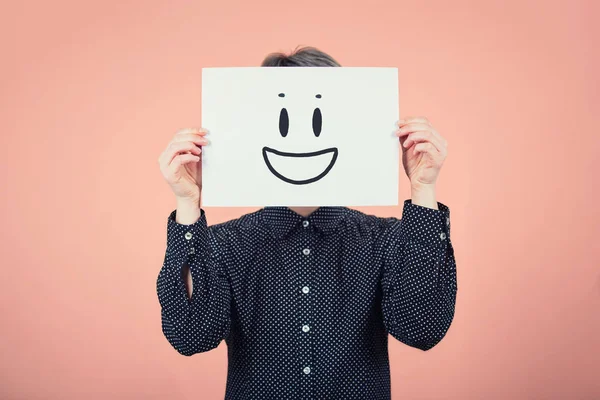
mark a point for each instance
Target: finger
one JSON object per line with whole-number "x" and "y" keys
{"x": 176, "y": 148}
{"x": 191, "y": 130}
{"x": 191, "y": 137}
{"x": 173, "y": 149}
{"x": 179, "y": 160}
{"x": 408, "y": 120}
{"x": 184, "y": 137}
{"x": 441, "y": 142}
{"x": 426, "y": 148}
{"x": 423, "y": 136}
{"x": 441, "y": 139}
{"x": 190, "y": 134}
{"x": 422, "y": 120}
{"x": 412, "y": 127}
{"x": 405, "y": 131}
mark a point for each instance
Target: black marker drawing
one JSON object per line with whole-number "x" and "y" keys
{"x": 284, "y": 125}
{"x": 267, "y": 150}
{"x": 284, "y": 122}
{"x": 317, "y": 122}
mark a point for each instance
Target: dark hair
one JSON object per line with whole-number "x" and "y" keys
{"x": 306, "y": 56}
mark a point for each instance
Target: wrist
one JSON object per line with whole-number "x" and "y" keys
{"x": 188, "y": 211}
{"x": 188, "y": 202}
{"x": 424, "y": 195}
{"x": 422, "y": 187}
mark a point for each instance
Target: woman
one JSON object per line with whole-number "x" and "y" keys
{"x": 305, "y": 297}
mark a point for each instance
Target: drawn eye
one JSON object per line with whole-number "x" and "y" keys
{"x": 284, "y": 122}
{"x": 317, "y": 122}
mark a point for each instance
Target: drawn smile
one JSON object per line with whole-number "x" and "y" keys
{"x": 293, "y": 167}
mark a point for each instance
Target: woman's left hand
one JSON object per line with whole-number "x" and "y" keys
{"x": 423, "y": 150}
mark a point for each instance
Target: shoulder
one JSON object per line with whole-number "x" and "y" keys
{"x": 250, "y": 224}
{"x": 368, "y": 223}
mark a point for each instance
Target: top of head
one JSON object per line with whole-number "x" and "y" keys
{"x": 301, "y": 57}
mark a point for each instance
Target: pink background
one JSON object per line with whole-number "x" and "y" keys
{"x": 91, "y": 92}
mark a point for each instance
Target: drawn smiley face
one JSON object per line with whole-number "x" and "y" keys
{"x": 326, "y": 158}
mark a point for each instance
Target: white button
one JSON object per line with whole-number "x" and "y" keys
{"x": 305, "y": 328}
{"x": 305, "y": 289}
{"x": 442, "y": 236}
{"x": 306, "y": 252}
{"x": 188, "y": 235}
{"x": 305, "y": 223}
{"x": 307, "y": 370}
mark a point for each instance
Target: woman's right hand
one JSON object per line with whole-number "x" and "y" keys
{"x": 181, "y": 163}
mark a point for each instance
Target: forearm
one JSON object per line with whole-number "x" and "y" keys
{"x": 419, "y": 280}
{"x": 420, "y": 302}
{"x": 188, "y": 212}
{"x": 193, "y": 322}
{"x": 198, "y": 323}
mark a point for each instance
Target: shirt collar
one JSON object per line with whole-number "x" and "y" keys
{"x": 281, "y": 220}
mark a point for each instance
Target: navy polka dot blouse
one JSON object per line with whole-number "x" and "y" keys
{"x": 305, "y": 305}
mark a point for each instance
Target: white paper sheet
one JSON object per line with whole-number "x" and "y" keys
{"x": 300, "y": 136}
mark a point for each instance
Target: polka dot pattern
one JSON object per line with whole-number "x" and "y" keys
{"x": 305, "y": 305}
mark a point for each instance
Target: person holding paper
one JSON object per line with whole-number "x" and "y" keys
{"x": 305, "y": 297}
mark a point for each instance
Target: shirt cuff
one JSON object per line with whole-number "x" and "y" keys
{"x": 186, "y": 240}
{"x": 424, "y": 224}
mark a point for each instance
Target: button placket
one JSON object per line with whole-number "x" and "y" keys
{"x": 306, "y": 311}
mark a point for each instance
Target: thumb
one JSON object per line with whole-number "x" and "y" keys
{"x": 402, "y": 140}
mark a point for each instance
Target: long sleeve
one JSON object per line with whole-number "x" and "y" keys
{"x": 196, "y": 324}
{"x": 419, "y": 283}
